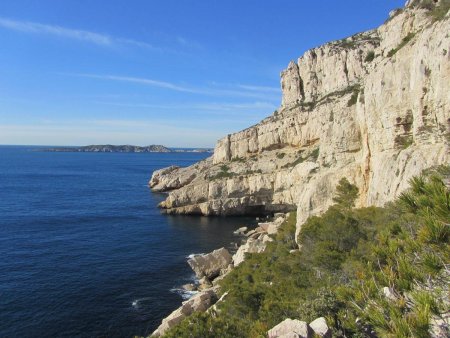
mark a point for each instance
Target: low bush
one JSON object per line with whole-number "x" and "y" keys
{"x": 370, "y": 56}
{"x": 402, "y": 44}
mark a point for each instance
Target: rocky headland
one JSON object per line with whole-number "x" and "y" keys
{"x": 374, "y": 108}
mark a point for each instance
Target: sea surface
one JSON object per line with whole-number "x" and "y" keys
{"x": 84, "y": 252}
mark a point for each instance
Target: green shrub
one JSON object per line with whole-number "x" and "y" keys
{"x": 346, "y": 194}
{"x": 402, "y": 44}
{"x": 354, "y": 98}
{"x": 312, "y": 156}
{"x": 347, "y": 256}
{"x": 238, "y": 159}
{"x": 224, "y": 168}
{"x": 435, "y": 11}
{"x": 404, "y": 141}
{"x": 370, "y": 56}
{"x": 223, "y": 173}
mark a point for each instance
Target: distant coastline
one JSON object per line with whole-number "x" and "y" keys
{"x": 109, "y": 148}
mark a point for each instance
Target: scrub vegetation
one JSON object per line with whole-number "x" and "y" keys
{"x": 347, "y": 257}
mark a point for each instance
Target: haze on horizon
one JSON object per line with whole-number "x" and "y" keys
{"x": 181, "y": 74}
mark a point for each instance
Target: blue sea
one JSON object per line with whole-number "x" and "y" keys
{"x": 84, "y": 251}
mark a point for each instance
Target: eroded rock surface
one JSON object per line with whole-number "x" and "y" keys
{"x": 374, "y": 108}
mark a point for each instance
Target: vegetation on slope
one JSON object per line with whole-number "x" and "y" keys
{"x": 436, "y": 10}
{"x": 347, "y": 257}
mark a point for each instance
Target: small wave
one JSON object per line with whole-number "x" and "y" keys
{"x": 184, "y": 293}
{"x": 193, "y": 255}
{"x": 135, "y": 303}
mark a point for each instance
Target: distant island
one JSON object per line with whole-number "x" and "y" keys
{"x": 109, "y": 148}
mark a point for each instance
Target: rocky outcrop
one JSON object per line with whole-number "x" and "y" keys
{"x": 258, "y": 238}
{"x": 198, "y": 303}
{"x": 210, "y": 265}
{"x": 174, "y": 177}
{"x": 207, "y": 267}
{"x": 252, "y": 245}
{"x": 374, "y": 108}
{"x": 291, "y": 328}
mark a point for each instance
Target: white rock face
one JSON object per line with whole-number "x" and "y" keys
{"x": 174, "y": 177}
{"x": 320, "y": 327}
{"x": 291, "y": 328}
{"x": 210, "y": 265}
{"x": 376, "y": 122}
{"x": 199, "y": 303}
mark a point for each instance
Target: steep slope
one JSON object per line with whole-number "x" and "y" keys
{"x": 374, "y": 108}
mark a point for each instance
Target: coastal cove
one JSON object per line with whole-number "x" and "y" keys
{"x": 85, "y": 249}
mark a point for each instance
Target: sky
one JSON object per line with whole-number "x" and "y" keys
{"x": 181, "y": 73}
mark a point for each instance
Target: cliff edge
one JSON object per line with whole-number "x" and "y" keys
{"x": 374, "y": 108}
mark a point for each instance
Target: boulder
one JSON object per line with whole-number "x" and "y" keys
{"x": 189, "y": 287}
{"x": 198, "y": 303}
{"x": 240, "y": 231}
{"x": 291, "y": 328}
{"x": 320, "y": 327}
{"x": 209, "y": 265}
{"x": 251, "y": 246}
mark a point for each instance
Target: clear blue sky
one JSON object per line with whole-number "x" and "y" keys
{"x": 178, "y": 73}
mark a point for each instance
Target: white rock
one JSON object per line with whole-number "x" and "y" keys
{"x": 209, "y": 265}
{"x": 240, "y": 231}
{"x": 251, "y": 246}
{"x": 320, "y": 327}
{"x": 389, "y": 293}
{"x": 289, "y": 327}
{"x": 251, "y": 232}
{"x": 275, "y": 225}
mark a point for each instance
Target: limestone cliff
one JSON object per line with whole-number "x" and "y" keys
{"x": 374, "y": 108}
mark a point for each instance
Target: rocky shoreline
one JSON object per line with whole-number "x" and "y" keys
{"x": 211, "y": 267}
